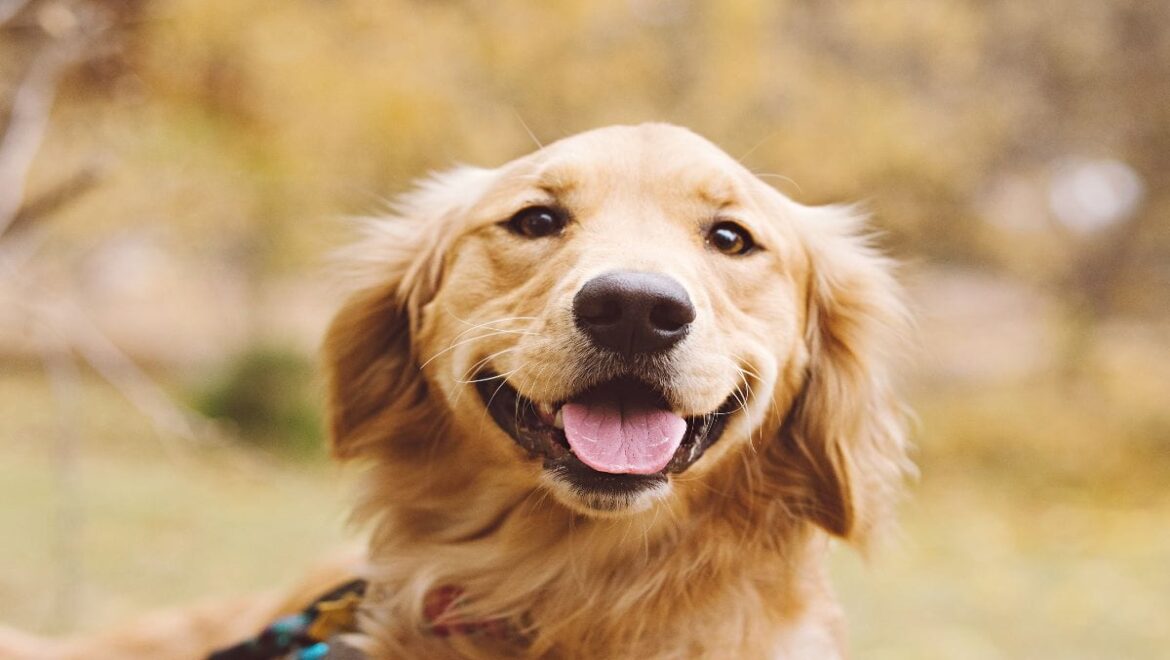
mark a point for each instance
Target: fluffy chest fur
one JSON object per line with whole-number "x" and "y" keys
{"x": 698, "y": 584}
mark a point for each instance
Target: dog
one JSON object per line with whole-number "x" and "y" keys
{"x": 614, "y": 399}
{"x": 619, "y": 393}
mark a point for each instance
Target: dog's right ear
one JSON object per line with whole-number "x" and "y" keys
{"x": 376, "y": 389}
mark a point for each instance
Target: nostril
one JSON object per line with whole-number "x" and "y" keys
{"x": 631, "y": 312}
{"x": 671, "y": 315}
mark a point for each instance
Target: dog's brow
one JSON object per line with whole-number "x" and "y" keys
{"x": 556, "y": 190}
{"x": 720, "y": 194}
{"x": 555, "y": 180}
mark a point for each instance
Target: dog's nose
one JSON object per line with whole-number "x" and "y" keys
{"x": 630, "y": 312}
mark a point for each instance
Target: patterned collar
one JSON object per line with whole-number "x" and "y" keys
{"x": 312, "y": 634}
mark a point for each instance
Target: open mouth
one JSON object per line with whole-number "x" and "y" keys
{"x": 616, "y": 437}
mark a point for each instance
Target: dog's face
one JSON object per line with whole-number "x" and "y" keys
{"x": 613, "y": 318}
{"x": 623, "y": 306}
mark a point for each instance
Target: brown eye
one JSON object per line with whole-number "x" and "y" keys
{"x": 731, "y": 239}
{"x": 537, "y": 222}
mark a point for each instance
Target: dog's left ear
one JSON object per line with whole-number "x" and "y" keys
{"x": 843, "y": 443}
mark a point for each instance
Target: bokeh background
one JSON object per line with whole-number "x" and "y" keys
{"x": 174, "y": 174}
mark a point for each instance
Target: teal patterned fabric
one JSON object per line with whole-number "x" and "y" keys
{"x": 303, "y": 636}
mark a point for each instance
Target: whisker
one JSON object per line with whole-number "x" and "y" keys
{"x": 527, "y": 129}
{"x": 764, "y": 175}
{"x": 457, "y": 345}
{"x": 747, "y": 396}
{"x": 473, "y": 369}
{"x": 491, "y": 324}
{"x": 502, "y": 377}
{"x": 751, "y": 372}
{"x": 486, "y": 379}
{"x": 516, "y": 401}
{"x": 743, "y": 397}
{"x": 757, "y": 145}
{"x": 738, "y": 362}
{"x": 488, "y": 405}
{"x": 503, "y": 331}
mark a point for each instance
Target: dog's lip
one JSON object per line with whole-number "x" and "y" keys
{"x": 533, "y": 426}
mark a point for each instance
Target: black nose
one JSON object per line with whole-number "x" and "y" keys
{"x": 630, "y": 313}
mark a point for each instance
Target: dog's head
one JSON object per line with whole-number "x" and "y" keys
{"x": 625, "y": 318}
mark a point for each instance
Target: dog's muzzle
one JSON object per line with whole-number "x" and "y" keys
{"x": 612, "y": 437}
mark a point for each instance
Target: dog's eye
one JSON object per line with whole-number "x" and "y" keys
{"x": 537, "y": 221}
{"x": 730, "y": 238}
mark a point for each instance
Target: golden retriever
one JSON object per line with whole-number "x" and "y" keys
{"x": 614, "y": 397}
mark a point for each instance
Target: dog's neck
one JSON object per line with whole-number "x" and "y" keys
{"x": 719, "y": 575}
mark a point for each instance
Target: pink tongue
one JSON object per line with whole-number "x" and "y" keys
{"x": 622, "y": 435}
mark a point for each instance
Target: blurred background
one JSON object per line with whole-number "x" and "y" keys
{"x": 174, "y": 174}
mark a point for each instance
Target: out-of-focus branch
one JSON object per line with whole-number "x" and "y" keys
{"x": 26, "y": 130}
{"x": 75, "y": 34}
{"x": 51, "y": 201}
{"x": 80, "y": 334}
{"x": 31, "y": 107}
{"x": 10, "y": 8}
{"x": 27, "y": 125}
{"x": 120, "y": 371}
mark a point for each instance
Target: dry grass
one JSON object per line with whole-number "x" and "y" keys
{"x": 156, "y": 531}
{"x": 1037, "y": 530}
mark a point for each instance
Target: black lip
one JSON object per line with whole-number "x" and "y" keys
{"x": 587, "y": 481}
{"x": 518, "y": 417}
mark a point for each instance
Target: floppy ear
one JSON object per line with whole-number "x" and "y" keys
{"x": 376, "y": 389}
{"x": 843, "y": 443}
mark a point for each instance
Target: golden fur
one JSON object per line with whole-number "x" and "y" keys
{"x": 727, "y": 562}
{"x": 728, "y": 559}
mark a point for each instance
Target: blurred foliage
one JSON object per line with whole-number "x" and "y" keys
{"x": 269, "y": 398}
{"x": 245, "y": 126}
{"x": 1087, "y": 444}
{"x": 225, "y": 137}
